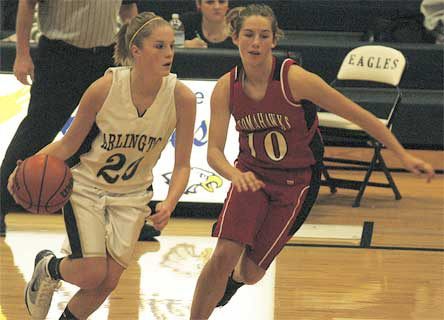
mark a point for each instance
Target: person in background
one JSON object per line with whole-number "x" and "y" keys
{"x": 144, "y": 103}
{"x": 206, "y": 28}
{"x": 433, "y": 11}
{"x": 276, "y": 178}
{"x": 75, "y": 49}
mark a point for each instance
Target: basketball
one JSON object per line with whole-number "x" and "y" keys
{"x": 43, "y": 184}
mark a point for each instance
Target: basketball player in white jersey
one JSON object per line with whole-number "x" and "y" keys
{"x": 123, "y": 123}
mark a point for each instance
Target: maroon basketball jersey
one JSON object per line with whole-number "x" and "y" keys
{"x": 276, "y": 132}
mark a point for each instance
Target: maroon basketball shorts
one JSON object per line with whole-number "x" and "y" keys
{"x": 265, "y": 220}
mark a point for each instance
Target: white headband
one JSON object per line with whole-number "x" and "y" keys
{"x": 138, "y": 30}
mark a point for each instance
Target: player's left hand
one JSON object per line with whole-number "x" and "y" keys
{"x": 162, "y": 215}
{"x": 418, "y": 166}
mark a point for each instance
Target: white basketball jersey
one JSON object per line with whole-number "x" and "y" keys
{"x": 127, "y": 146}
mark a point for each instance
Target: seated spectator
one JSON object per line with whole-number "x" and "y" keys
{"x": 433, "y": 11}
{"x": 206, "y": 28}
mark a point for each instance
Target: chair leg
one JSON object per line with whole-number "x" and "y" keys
{"x": 389, "y": 177}
{"x": 364, "y": 183}
{"x": 330, "y": 183}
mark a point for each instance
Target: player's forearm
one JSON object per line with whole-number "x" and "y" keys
{"x": 58, "y": 150}
{"x": 217, "y": 160}
{"x": 378, "y": 130}
{"x": 179, "y": 181}
{"x": 25, "y": 15}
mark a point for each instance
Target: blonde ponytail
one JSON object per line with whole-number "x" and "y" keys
{"x": 121, "y": 49}
{"x": 133, "y": 33}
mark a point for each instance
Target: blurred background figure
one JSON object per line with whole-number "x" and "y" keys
{"x": 433, "y": 11}
{"x": 206, "y": 27}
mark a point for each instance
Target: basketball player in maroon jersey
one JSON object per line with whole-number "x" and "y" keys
{"x": 276, "y": 177}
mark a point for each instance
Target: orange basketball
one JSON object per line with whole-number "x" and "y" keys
{"x": 43, "y": 184}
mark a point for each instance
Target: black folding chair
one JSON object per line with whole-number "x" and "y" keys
{"x": 368, "y": 74}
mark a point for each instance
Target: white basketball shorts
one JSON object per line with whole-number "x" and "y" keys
{"x": 100, "y": 222}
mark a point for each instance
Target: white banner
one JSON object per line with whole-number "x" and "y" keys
{"x": 204, "y": 184}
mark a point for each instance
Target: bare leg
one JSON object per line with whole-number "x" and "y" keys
{"x": 86, "y": 273}
{"x": 86, "y": 301}
{"x": 213, "y": 278}
{"x": 245, "y": 272}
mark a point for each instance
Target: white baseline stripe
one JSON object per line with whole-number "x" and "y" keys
{"x": 329, "y": 231}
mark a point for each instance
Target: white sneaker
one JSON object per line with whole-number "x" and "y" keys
{"x": 39, "y": 291}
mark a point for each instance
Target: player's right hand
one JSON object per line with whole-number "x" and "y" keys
{"x": 11, "y": 184}
{"x": 246, "y": 181}
{"x": 23, "y": 67}
{"x": 162, "y": 215}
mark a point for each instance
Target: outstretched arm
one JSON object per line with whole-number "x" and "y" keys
{"x": 90, "y": 104}
{"x": 306, "y": 85}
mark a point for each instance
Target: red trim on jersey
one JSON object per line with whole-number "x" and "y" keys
{"x": 286, "y": 91}
{"x": 233, "y": 78}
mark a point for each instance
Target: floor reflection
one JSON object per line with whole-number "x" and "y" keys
{"x": 159, "y": 286}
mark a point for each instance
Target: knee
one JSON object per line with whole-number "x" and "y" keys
{"x": 224, "y": 261}
{"x": 92, "y": 277}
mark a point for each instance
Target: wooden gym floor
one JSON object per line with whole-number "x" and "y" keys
{"x": 384, "y": 260}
